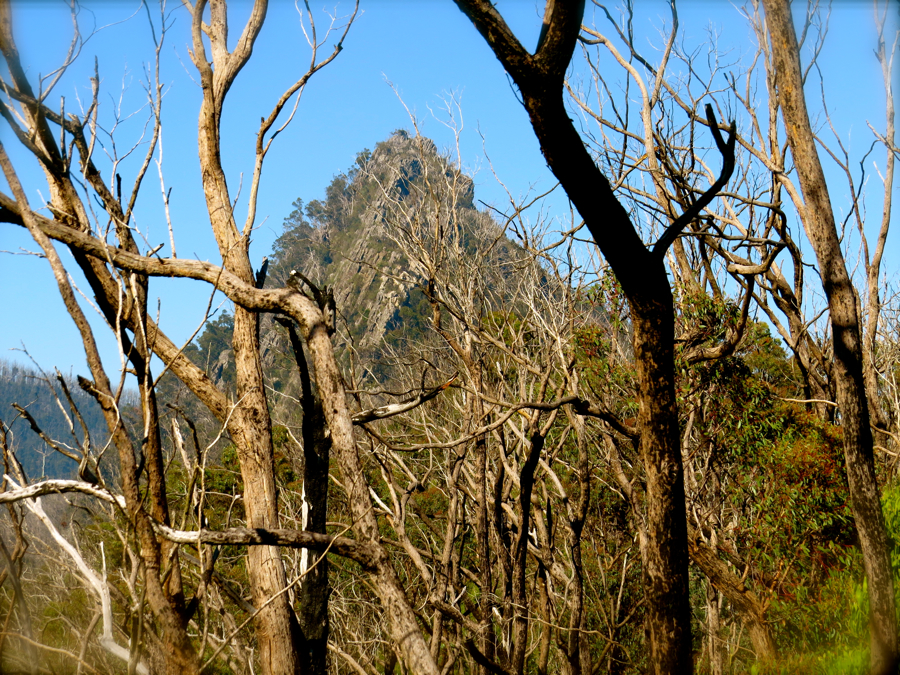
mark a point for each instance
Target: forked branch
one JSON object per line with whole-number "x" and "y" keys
{"x": 727, "y": 150}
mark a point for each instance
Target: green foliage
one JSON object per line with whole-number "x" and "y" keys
{"x": 431, "y": 502}
{"x": 830, "y": 624}
{"x": 890, "y": 504}
{"x": 285, "y": 471}
{"x": 832, "y": 629}
{"x": 411, "y": 321}
{"x": 768, "y": 361}
{"x": 598, "y": 349}
{"x": 787, "y": 484}
{"x": 778, "y": 469}
{"x": 213, "y": 341}
{"x": 225, "y": 479}
{"x": 509, "y": 327}
{"x": 705, "y": 320}
{"x": 607, "y": 297}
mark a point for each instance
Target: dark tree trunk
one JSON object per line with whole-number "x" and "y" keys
{"x": 519, "y": 588}
{"x": 312, "y": 610}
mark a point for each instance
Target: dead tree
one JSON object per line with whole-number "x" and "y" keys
{"x": 119, "y": 274}
{"x": 846, "y": 327}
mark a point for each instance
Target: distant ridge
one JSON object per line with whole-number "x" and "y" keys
{"x": 31, "y": 390}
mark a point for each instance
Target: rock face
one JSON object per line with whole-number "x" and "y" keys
{"x": 403, "y": 216}
{"x": 342, "y": 242}
{"x": 380, "y": 232}
{"x": 345, "y": 242}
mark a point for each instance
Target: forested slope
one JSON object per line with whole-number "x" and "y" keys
{"x": 518, "y": 380}
{"x": 43, "y": 397}
{"x": 343, "y": 244}
{"x": 634, "y": 427}
{"x": 771, "y": 529}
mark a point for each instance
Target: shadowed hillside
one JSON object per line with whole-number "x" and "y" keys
{"x": 44, "y": 398}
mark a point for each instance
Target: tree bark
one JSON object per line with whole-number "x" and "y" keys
{"x": 402, "y": 622}
{"x": 250, "y": 424}
{"x": 845, "y": 325}
{"x": 713, "y": 620}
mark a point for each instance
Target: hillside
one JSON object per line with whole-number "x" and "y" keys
{"x": 43, "y": 397}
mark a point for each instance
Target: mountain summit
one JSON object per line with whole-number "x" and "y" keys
{"x": 373, "y": 241}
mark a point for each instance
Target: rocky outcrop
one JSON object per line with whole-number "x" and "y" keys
{"x": 348, "y": 243}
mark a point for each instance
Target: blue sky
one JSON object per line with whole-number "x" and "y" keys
{"x": 427, "y": 49}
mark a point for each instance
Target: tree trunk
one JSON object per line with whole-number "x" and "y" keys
{"x": 714, "y": 625}
{"x": 745, "y": 603}
{"x": 249, "y": 425}
{"x": 845, "y": 325}
{"x": 521, "y": 604}
{"x": 402, "y": 622}
{"x": 645, "y": 283}
{"x": 250, "y": 428}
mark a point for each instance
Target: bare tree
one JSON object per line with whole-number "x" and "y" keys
{"x": 750, "y": 229}
{"x": 655, "y": 161}
{"x": 519, "y": 488}
{"x": 119, "y": 276}
{"x": 847, "y": 333}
